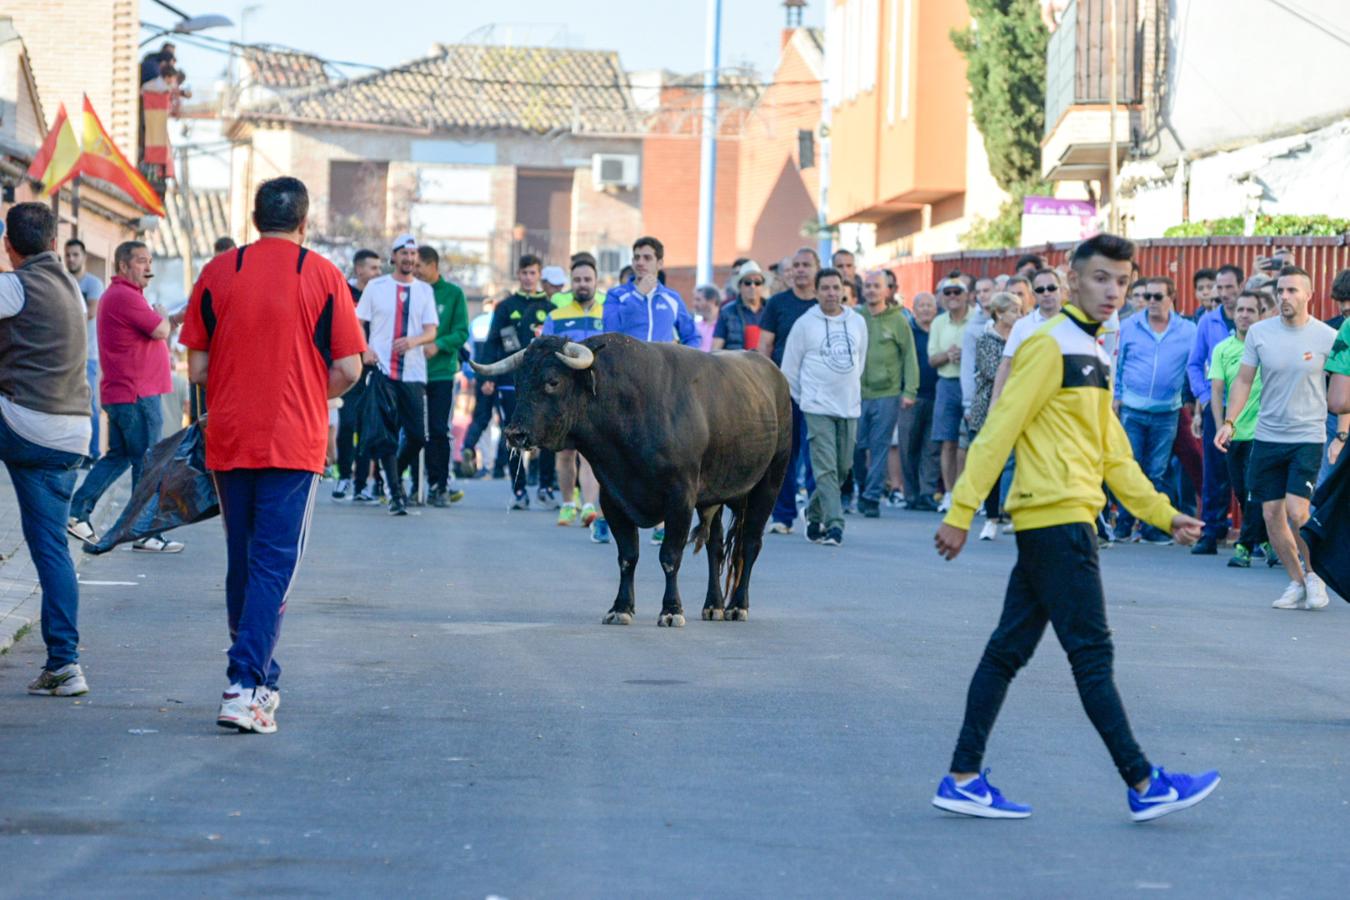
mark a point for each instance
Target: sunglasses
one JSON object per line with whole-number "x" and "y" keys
{"x": 953, "y": 292}
{"x": 1151, "y": 297}
{"x": 755, "y": 283}
{"x": 1048, "y": 289}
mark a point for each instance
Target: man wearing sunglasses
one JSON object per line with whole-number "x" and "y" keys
{"x": 1150, "y": 375}
{"x": 738, "y": 325}
{"x": 1049, "y": 292}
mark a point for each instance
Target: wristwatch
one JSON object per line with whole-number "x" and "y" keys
{"x": 1343, "y": 436}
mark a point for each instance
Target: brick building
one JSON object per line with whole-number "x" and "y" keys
{"x": 82, "y": 47}
{"x": 482, "y": 151}
{"x": 768, "y": 180}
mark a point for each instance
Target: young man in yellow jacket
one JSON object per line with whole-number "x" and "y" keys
{"x": 1055, "y": 411}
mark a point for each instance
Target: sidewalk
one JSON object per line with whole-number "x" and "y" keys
{"x": 20, "y": 597}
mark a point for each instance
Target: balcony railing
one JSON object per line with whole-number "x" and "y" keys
{"x": 1078, "y": 59}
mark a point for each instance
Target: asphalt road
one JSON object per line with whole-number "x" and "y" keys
{"x": 457, "y": 722}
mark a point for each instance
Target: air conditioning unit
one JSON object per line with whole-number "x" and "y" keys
{"x": 614, "y": 170}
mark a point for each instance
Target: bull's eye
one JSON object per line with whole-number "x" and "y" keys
{"x": 551, "y": 385}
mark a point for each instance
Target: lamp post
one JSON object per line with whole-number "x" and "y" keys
{"x": 707, "y": 169}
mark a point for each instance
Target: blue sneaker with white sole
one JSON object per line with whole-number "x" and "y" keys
{"x": 978, "y": 798}
{"x": 1169, "y": 792}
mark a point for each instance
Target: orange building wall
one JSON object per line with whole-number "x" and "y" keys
{"x": 777, "y": 197}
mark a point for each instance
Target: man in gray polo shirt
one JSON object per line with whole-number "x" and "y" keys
{"x": 44, "y": 423}
{"x": 1291, "y": 351}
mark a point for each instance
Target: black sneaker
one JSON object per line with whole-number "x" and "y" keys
{"x": 922, "y": 504}
{"x": 521, "y": 501}
{"x": 871, "y": 509}
{"x": 815, "y": 532}
{"x": 397, "y": 507}
{"x": 438, "y": 499}
{"x": 1206, "y": 546}
{"x": 834, "y": 537}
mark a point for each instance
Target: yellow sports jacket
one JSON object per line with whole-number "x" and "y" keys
{"x": 1055, "y": 411}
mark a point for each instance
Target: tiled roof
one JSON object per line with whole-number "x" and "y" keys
{"x": 534, "y": 89}
{"x": 197, "y": 218}
{"x": 283, "y": 69}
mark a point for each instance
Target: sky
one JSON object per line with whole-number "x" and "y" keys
{"x": 647, "y": 35}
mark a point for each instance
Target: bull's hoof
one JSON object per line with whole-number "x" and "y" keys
{"x": 712, "y": 615}
{"x": 618, "y": 618}
{"x": 670, "y": 620}
{"x": 738, "y": 615}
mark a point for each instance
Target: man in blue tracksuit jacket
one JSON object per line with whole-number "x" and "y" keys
{"x": 1150, "y": 374}
{"x": 646, "y": 309}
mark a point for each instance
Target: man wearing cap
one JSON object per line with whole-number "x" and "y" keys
{"x": 401, "y": 311}
{"x": 944, "y": 353}
{"x": 738, "y": 324}
{"x": 451, "y": 335}
{"x": 553, "y": 279}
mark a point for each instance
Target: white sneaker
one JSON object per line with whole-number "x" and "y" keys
{"x": 1009, "y": 528}
{"x": 1294, "y": 597}
{"x": 780, "y": 528}
{"x": 67, "y": 681}
{"x": 343, "y": 487}
{"x": 157, "y": 545}
{"x": 990, "y": 530}
{"x": 946, "y": 505}
{"x": 248, "y": 709}
{"x": 81, "y": 531}
{"x": 1317, "y": 591}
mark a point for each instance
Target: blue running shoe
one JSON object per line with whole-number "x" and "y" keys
{"x": 979, "y": 798}
{"x": 1168, "y": 793}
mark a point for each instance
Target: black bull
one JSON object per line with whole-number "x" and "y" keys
{"x": 667, "y": 430}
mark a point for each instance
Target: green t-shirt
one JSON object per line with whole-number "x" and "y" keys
{"x": 1338, "y": 362}
{"x": 453, "y": 332}
{"x": 1224, "y": 363}
{"x": 943, "y": 335}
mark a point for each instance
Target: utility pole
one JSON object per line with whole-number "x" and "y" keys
{"x": 707, "y": 169}
{"x": 1114, "y": 223}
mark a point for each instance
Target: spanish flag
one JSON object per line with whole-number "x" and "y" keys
{"x": 58, "y": 160}
{"x": 102, "y": 159}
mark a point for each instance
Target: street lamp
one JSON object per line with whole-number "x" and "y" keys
{"x": 189, "y": 24}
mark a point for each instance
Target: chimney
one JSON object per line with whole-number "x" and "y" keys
{"x": 793, "y": 10}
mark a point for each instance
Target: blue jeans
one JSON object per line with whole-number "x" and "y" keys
{"x": 1151, "y": 435}
{"x": 133, "y": 428}
{"x": 43, "y": 480}
{"x": 266, "y": 514}
{"x": 91, "y": 374}
{"x": 1216, "y": 494}
{"x": 875, "y": 430}
{"x": 785, "y": 508}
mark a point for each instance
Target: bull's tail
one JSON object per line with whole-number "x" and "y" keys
{"x": 733, "y": 559}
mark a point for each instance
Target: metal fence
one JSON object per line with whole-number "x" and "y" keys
{"x": 1177, "y": 258}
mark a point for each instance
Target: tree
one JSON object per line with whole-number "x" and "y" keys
{"x": 1004, "y": 49}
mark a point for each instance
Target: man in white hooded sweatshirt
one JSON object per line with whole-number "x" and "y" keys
{"x": 823, "y": 362}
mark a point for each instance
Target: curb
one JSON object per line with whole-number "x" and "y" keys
{"x": 20, "y": 594}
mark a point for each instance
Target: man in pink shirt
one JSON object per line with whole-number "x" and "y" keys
{"x": 135, "y": 361}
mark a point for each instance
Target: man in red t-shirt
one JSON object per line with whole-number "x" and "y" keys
{"x": 135, "y": 361}
{"x": 271, "y": 332}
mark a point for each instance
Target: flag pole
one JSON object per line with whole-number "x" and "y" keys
{"x": 75, "y": 206}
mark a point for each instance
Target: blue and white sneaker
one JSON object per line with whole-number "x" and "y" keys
{"x": 1169, "y": 792}
{"x": 979, "y": 798}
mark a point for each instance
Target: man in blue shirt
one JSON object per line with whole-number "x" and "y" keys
{"x": 1214, "y": 327}
{"x": 1150, "y": 373}
{"x": 646, "y": 309}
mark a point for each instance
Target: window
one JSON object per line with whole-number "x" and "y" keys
{"x": 806, "y": 148}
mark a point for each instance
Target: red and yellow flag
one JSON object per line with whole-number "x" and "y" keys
{"x": 102, "y": 159}
{"x": 58, "y": 160}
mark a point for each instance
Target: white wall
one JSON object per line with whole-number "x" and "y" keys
{"x": 1244, "y": 69}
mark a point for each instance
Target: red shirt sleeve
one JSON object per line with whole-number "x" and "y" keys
{"x": 194, "y": 335}
{"x": 349, "y": 338}
{"x": 137, "y": 313}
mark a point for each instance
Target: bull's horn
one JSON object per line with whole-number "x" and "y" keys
{"x": 502, "y": 366}
{"x": 576, "y": 356}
